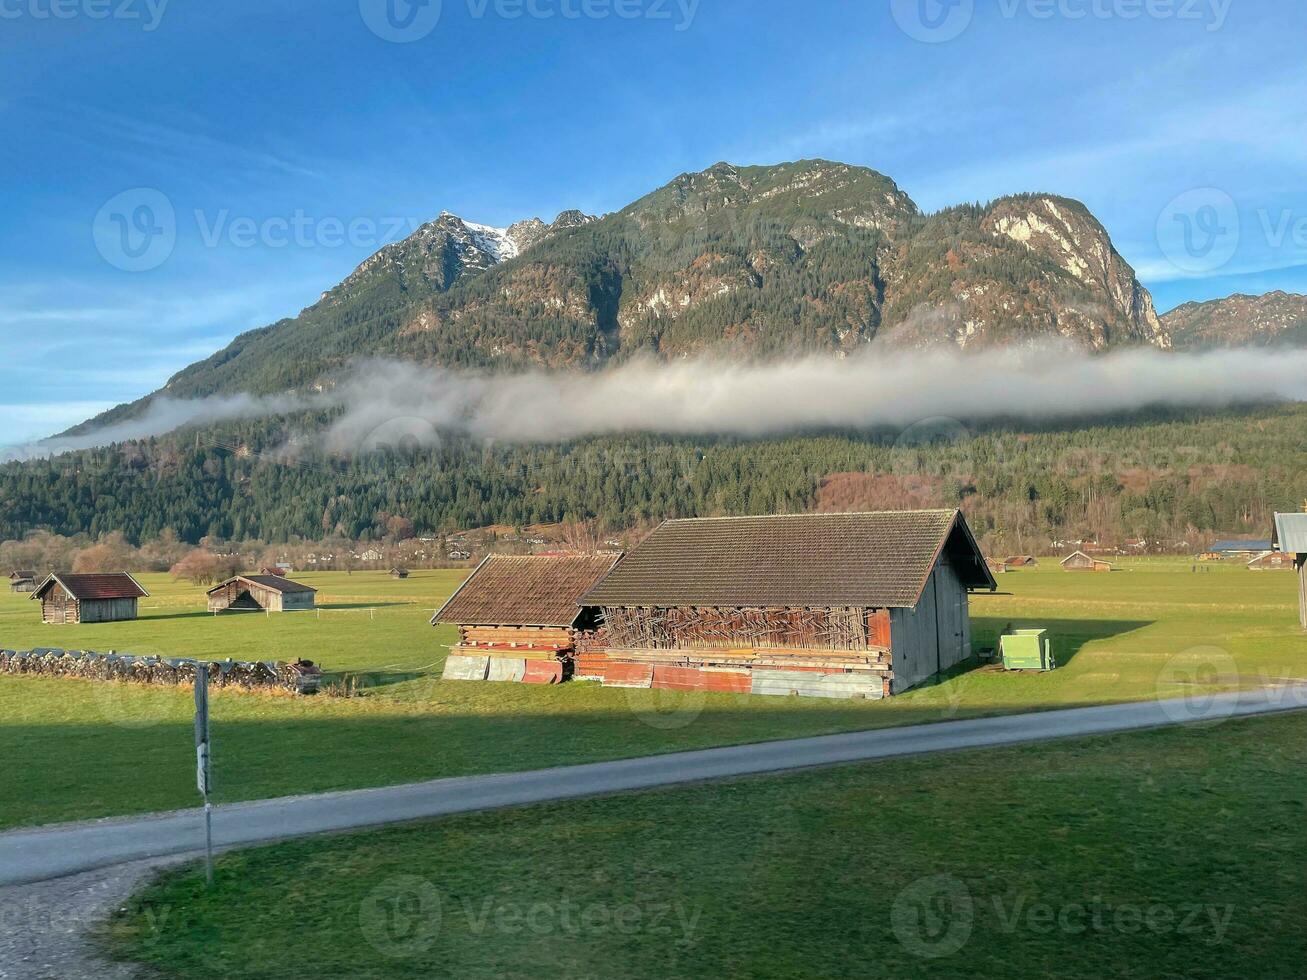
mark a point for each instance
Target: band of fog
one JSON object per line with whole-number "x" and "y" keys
{"x": 870, "y": 389}
{"x": 382, "y": 399}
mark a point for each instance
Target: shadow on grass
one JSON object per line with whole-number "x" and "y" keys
{"x": 1069, "y": 636}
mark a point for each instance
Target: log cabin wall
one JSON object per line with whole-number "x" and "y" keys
{"x": 57, "y": 606}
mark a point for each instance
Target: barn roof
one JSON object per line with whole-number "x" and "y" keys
{"x": 82, "y": 587}
{"x": 274, "y": 583}
{"x": 874, "y": 560}
{"x": 1240, "y": 545}
{"x": 20, "y": 575}
{"x": 1291, "y": 533}
{"x": 525, "y": 591}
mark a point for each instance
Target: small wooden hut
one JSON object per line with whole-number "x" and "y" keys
{"x": 997, "y": 565}
{"x": 520, "y": 618}
{"x": 399, "y": 573}
{"x": 261, "y": 593}
{"x": 1291, "y": 538}
{"x": 22, "y": 581}
{"x": 1082, "y": 562}
{"x": 1272, "y": 561}
{"x": 1022, "y": 561}
{"x": 68, "y": 598}
{"x": 827, "y": 605}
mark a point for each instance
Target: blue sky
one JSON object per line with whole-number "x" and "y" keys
{"x": 290, "y": 140}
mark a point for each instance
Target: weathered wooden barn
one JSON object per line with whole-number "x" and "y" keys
{"x": 68, "y": 597}
{"x": 1081, "y": 562}
{"x": 1291, "y": 537}
{"x": 22, "y": 581}
{"x": 997, "y": 565}
{"x": 520, "y": 618}
{"x": 399, "y": 573}
{"x": 1022, "y": 561}
{"x": 829, "y": 605}
{"x": 261, "y": 593}
{"x": 1271, "y": 561}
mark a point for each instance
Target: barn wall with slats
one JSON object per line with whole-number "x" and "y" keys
{"x": 934, "y": 636}
{"x": 107, "y": 610}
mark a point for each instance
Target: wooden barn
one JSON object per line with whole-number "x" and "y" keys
{"x": 399, "y": 573}
{"x": 67, "y": 597}
{"x": 520, "y": 618}
{"x": 1081, "y": 562}
{"x": 22, "y": 581}
{"x": 997, "y": 565}
{"x": 1022, "y": 561}
{"x": 1291, "y": 538}
{"x": 826, "y": 605}
{"x": 1271, "y": 561}
{"x": 261, "y": 593}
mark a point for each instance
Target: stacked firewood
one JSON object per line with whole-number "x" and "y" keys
{"x": 300, "y": 676}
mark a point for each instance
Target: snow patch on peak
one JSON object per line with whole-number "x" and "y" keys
{"x": 497, "y": 242}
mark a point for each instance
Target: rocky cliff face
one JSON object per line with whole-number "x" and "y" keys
{"x": 1276, "y": 319}
{"x": 1023, "y": 268}
{"x": 812, "y": 256}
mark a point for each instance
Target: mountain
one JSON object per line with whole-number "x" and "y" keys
{"x": 750, "y": 261}
{"x": 1277, "y": 319}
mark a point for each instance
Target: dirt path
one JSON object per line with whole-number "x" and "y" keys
{"x": 50, "y": 930}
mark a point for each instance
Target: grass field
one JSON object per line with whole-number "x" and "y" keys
{"x": 1168, "y": 854}
{"x": 74, "y": 749}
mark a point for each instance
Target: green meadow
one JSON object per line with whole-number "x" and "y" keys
{"x": 1168, "y": 854}
{"x": 75, "y": 749}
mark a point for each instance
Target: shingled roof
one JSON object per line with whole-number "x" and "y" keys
{"x": 274, "y": 583}
{"x": 518, "y": 591}
{"x": 874, "y": 560}
{"x": 110, "y": 585}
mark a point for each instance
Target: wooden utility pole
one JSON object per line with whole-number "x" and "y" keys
{"x": 1301, "y": 562}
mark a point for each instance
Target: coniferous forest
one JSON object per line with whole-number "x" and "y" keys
{"x": 1173, "y": 479}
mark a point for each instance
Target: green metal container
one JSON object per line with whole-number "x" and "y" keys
{"x": 1027, "y": 650}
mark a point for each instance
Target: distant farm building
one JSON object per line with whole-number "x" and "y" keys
{"x": 22, "y": 581}
{"x": 1081, "y": 562}
{"x": 261, "y": 593}
{"x": 1291, "y": 538}
{"x": 1271, "y": 561}
{"x": 399, "y": 573}
{"x": 997, "y": 566}
{"x": 520, "y": 618}
{"x": 825, "y": 605}
{"x": 1238, "y": 550}
{"x": 100, "y": 598}
{"x": 1022, "y": 561}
